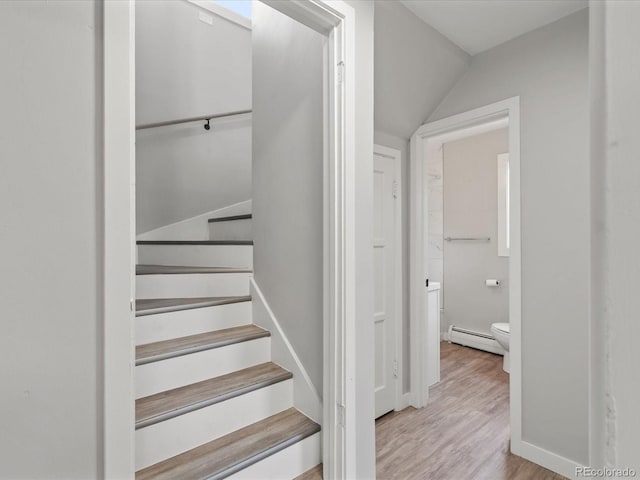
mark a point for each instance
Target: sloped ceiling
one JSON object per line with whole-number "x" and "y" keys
{"x": 415, "y": 67}
{"x": 478, "y": 25}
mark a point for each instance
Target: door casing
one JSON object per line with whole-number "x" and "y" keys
{"x": 422, "y": 146}
{"x": 347, "y": 448}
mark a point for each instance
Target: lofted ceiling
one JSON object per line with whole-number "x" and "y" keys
{"x": 478, "y": 25}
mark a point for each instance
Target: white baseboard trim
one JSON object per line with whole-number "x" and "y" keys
{"x": 545, "y": 458}
{"x": 305, "y": 396}
{"x": 194, "y": 228}
{"x": 473, "y": 339}
{"x": 403, "y": 401}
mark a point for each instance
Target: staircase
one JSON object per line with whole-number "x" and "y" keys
{"x": 209, "y": 402}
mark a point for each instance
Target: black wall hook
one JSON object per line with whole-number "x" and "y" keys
{"x": 206, "y": 125}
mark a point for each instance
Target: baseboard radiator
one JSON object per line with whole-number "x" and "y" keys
{"x": 470, "y": 338}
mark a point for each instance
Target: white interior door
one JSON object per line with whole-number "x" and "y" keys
{"x": 384, "y": 197}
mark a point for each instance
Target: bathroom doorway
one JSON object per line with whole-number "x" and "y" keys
{"x": 468, "y": 250}
{"x": 432, "y": 241}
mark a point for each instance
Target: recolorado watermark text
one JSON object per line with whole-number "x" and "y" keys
{"x": 606, "y": 472}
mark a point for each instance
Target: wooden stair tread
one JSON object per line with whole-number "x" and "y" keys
{"x": 151, "y": 306}
{"x": 194, "y": 242}
{"x": 231, "y": 218}
{"x": 314, "y": 473}
{"x": 233, "y": 452}
{"x": 153, "y": 352}
{"x": 171, "y": 403}
{"x": 180, "y": 270}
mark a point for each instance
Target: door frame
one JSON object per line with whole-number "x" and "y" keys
{"x": 118, "y": 305}
{"x": 343, "y": 451}
{"x": 421, "y": 140}
{"x": 401, "y": 400}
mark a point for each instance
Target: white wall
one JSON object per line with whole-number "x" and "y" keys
{"x": 288, "y": 176}
{"x": 415, "y": 66}
{"x": 470, "y": 201}
{"x": 548, "y": 69}
{"x": 618, "y": 232}
{"x": 50, "y": 177}
{"x": 190, "y": 62}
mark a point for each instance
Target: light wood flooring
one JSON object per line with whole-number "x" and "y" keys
{"x": 314, "y": 474}
{"x": 463, "y": 434}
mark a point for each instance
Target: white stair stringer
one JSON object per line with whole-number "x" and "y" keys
{"x": 192, "y": 285}
{"x": 180, "y": 323}
{"x": 305, "y": 396}
{"x": 165, "y": 439}
{"x": 197, "y": 255}
{"x": 176, "y": 372}
{"x": 286, "y": 464}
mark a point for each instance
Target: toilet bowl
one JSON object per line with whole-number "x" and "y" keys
{"x": 500, "y": 332}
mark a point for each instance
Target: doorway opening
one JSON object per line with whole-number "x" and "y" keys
{"x": 336, "y": 21}
{"x": 460, "y": 239}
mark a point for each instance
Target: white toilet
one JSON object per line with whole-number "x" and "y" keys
{"x": 500, "y": 332}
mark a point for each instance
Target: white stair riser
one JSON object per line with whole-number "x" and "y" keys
{"x": 286, "y": 464}
{"x": 197, "y": 255}
{"x": 192, "y": 285}
{"x": 231, "y": 230}
{"x": 171, "y": 437}
{"x": 179, "y": 371}
{"x": 181, "y": 323}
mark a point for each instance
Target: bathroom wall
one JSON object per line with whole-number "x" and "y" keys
{"x": 435, "y": 221}
{"x": 470, "y": 208}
